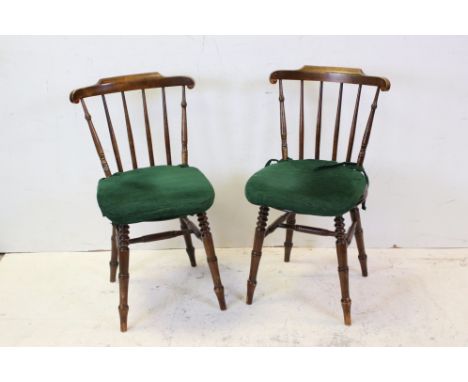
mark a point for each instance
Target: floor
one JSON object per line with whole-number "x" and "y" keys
{"x": 411, "y": 298}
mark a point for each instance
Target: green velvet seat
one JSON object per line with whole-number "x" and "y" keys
{"x": 154, "y": 193}
{"x": 313, "y": 187}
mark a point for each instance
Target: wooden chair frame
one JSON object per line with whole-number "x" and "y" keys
{"x": 288, "y": 219}
{"x": 120, "y": 239}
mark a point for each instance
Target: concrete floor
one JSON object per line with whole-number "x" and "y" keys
{"x": 411, "y": 298}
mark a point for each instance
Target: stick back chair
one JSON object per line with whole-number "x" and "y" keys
{"x": 153, "y": 193}
{"x": 316, "y": 186}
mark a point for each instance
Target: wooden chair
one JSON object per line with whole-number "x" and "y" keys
{"x": 316, "y": 186}
{"x": 153, "y": 193}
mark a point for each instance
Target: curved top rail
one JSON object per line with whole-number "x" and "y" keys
{"x": 130, "y": 82}
{"x": 331, "y": 74}
{"x": 130, "y": 77}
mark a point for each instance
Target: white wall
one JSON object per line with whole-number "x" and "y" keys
{"x": 416, "y": 159}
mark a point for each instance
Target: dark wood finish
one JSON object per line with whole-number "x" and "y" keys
{"x": 149, "y": 140}
{"x": 341, "y": 250}
{"x": 367, "y": 132}
{"x": 115, "y": 146}
{"x": 301, "y": 123}
{"x": 345, "y": 77}
{"x": 256, "y": 252}
{"x": 120, "y": 240}
{"x": 306, "y": 229}
{"x": 127, "y": 83}
{"x": 284, "y": 132}
{"x": 351, "y": 231}
{"x": 184, "y": 128}
{"x": 167, "y": 138}
{"x": 131, "y": 142}
{"x": 273, "y": 226}
{"x": 97, "y": 142}
{"x": 114, "y": 261}
{"x": 318, "y": 129}
{"x": 156, "y": 237}
{"x": 192, "y": 227}
{"x": 331, "y": 74}
{"x": 336, "y": 134}
{"x": 288, "y": 244}
{"x": 211, "y": 258}
{"x": 352, "y": 132}
{"x": 140, "y": 82}
{"x": 123, "y": 275}
{"x": 188, "y": 242}
{"x": 359, "y": 234}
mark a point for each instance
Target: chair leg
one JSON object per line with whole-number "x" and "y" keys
{"x": 341, "y": 249}
{"x": 288, "y": 244}
{"x": 123, "y": 231}
{"x": 114, "y": 261}
{"x": 188, "y": 243}
{"x": 256, "y": 252}
{"x": 359, "y": 235}
{"x": 211, "y": 258}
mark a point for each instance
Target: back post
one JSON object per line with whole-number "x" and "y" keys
{"x": 184, "y": 134}
{"x": 284, "y": 133}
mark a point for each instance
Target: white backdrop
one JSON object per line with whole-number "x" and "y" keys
{"x": 416, "y": 158}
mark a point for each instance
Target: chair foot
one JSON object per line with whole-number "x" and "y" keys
{"x": 124, "y": 276}
{"x": 343, "y": 270}
{"x": 212, "y": 259}
{"x": 363, "y": 262}
{"x": 346, "y": 305}
{"x": 191, "y": 255}
{"x": 113, "y": 270}
{"x": 287, "y": 251}
{"x": 123, "y": 313}
{"x": 219, "y": 291}
{"x": 250, "y": 291}
{"x": 256, "y": 252}
{"x": 188, "y": 243}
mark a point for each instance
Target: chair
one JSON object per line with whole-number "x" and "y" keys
{"x": 153, "y": 193}
{"x": 316, "y": 186}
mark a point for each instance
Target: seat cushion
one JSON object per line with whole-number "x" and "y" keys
{"x": 313, "y": 187}
{"x": 154, "y": 193}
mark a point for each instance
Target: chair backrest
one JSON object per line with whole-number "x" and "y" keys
{"x": 323, "y": 74}
{"x": 122, "y": 84}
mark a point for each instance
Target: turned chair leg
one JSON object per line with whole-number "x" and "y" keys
{"x": 114, "y": 261}
{"x": 359, "y": 235}
{"x": 188, "y": 243}
{"x": 256, "y": 252}
{"x": 123, "y": 231}
{"x": 341, "y": 249}
{"x": 211, "y": 258}
{"x": 288, "y": 244}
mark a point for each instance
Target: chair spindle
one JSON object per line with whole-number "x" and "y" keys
{"x": 367, "y": 132}
{"x": 167, "y": 138}
{"x": 337, "y": 123}
{"x": 353, "y": 126}
{"x": 115, "y": 147}
{"x": 184, "y": 128}
{"x": 319, "y": 123}
{"x": 301, "y": 123}
{"x": 129, "y": 132}
{"x": 284, "y": 134}
{"x": 97, "y": 142}
{"x": 149, "y": 141}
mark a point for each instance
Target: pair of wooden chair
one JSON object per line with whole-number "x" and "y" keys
{"x": 303, "y": 186}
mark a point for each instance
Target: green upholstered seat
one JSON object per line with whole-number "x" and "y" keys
{"x": 313, "y": 187}
{"x": 154, "y": 193}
